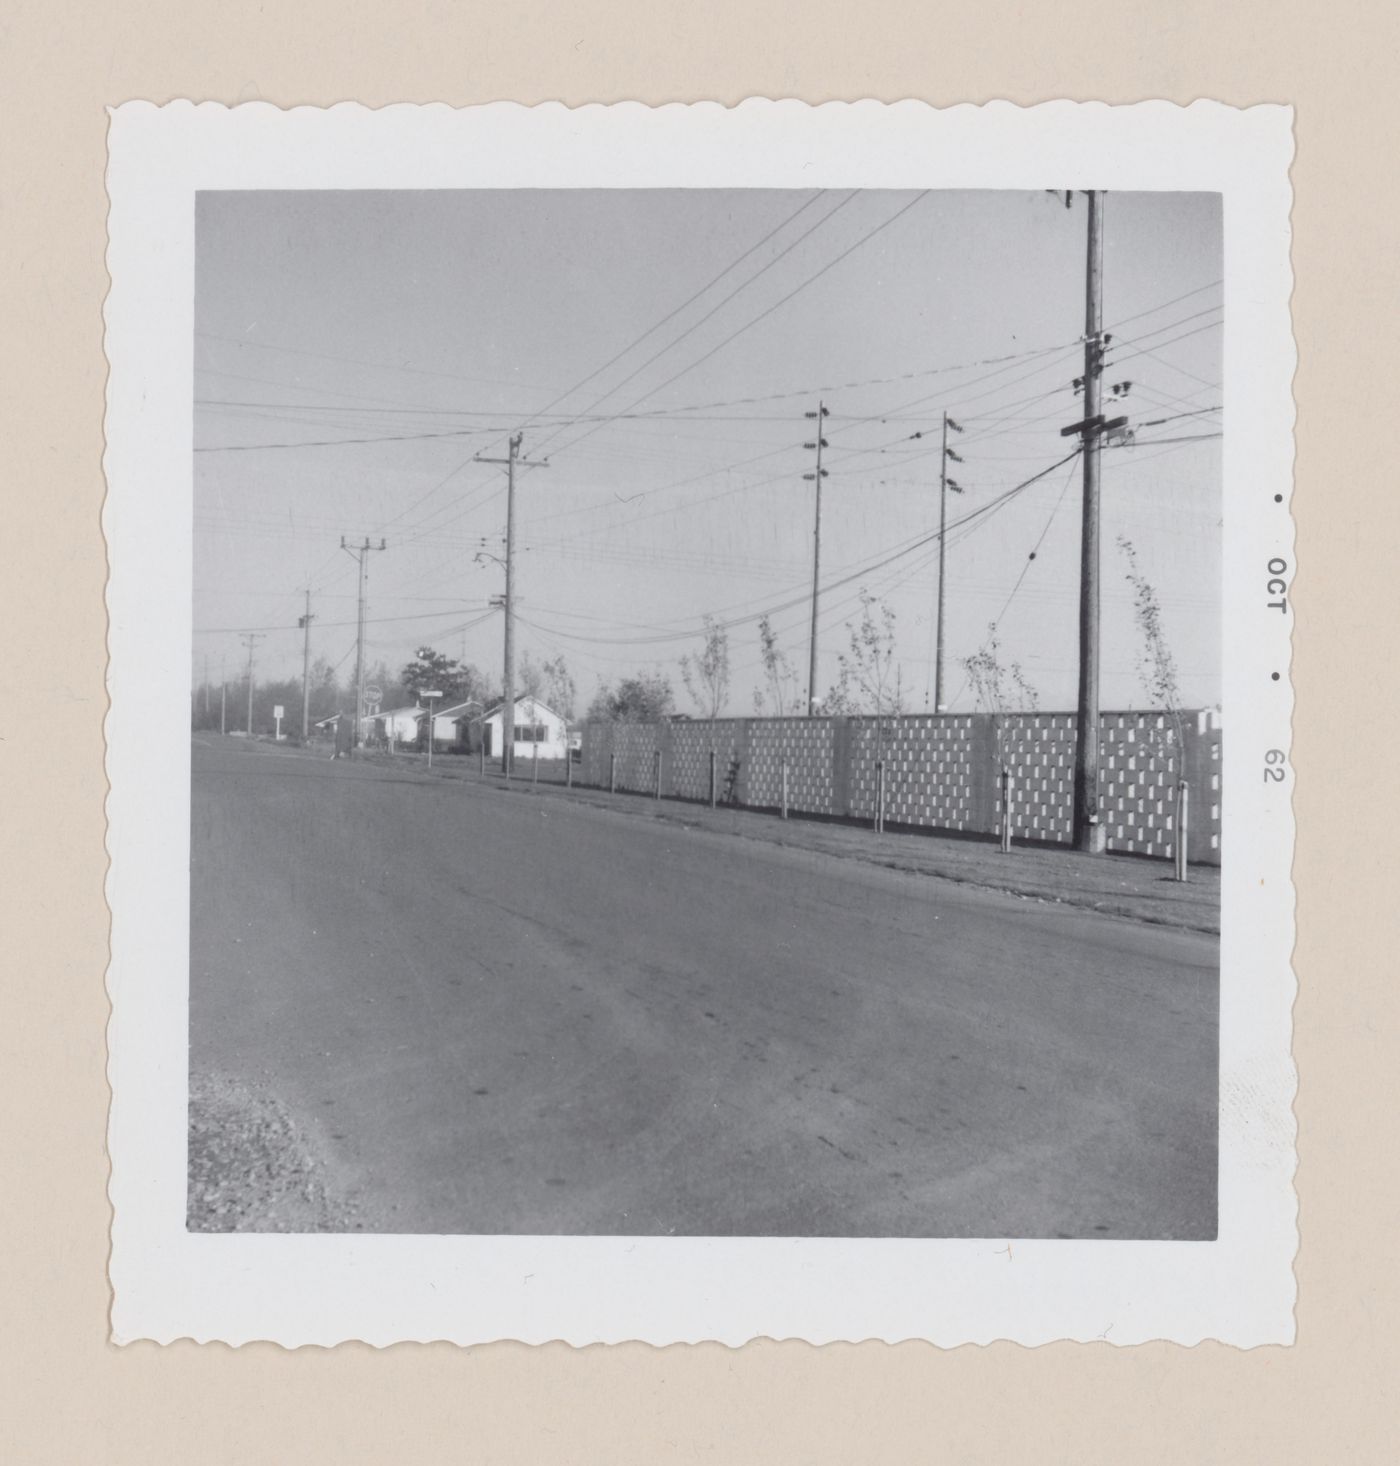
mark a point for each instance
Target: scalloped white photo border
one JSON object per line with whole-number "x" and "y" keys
{"x": 324, "y": 1289}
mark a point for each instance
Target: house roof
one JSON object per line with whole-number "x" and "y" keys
{"x": 539, "y": 705}
{"x": 457, "y": 707}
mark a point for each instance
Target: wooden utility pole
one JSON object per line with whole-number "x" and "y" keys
{"x": 305, "y": 624}
{"x": 816, "y": 478}
{"x": 250, "y": 641}
{"x": 361, "y": 554}
{"x": 1089, "y": 834}
{"x": 508, "y": 679}
{"x": 944, "y": 484}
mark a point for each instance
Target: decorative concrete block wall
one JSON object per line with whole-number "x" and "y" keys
{"x": 1038, "y": 748}
{"x": 942, "y": 772}
{"x": 934, "y": 774}
{"x": 808, "y": 746}
{"x": 686, "y": 770}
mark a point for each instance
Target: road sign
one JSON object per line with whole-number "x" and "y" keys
{"x": 278, "y": 712}
{"x": 373, "y": 693}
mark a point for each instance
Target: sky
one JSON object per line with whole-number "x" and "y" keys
{"x": 355, "y": 353}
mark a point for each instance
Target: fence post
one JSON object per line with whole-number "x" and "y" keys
{"x": 1183, "y": 827}
{"x": 482, "y": 752}
{"x": 1006, "y": 811}
{"x": 569, "y": 766}
{"x": 657, "y": 757}
{"x": 612, "y": 773}
{"x": 879, "y": 796}
{"x": 535, "y": 766}
{"x": 714, "y": 781}
{"x": 785, "y": 788}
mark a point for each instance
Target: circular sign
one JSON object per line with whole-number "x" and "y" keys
{"x": 373, "y": 693}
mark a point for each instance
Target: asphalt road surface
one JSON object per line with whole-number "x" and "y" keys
{"x": 502, "y": 1012}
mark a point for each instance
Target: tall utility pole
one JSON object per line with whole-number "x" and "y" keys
{"x": 820, "y": 415}
{"x": 305, "y": 624}
{"x": 1089, "y": 834}
{"x": 944, "y": 484}
{"x": 250, "y": 640}
{"x": 360, "y": 553}
{"x": 223, "y": 697}
{"x": 508, "y": 679}
{"x": 206, "y": 687}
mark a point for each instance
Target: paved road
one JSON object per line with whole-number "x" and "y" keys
{"x": 504, "y": 1012}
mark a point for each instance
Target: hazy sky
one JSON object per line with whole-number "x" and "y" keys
{"x": 354, "y": 351}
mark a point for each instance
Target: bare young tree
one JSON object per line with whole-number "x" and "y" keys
{"x": 869, "y": 679}
{"x": 529, "y": 678}
{"x": 1000, "y": 689}
{"x": 706, "y": 675}
{"x": 1156, "y": 664}
{"x": 780, "y": 691}
{"x": 560, "y": 689}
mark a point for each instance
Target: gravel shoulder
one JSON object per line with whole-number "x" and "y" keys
{"x": 252, "y": 1169}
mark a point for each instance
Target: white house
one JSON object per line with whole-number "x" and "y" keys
{"x": 539, "y": 731}
{"x": 400, "y": 724}
{"x": 450, "y": 723}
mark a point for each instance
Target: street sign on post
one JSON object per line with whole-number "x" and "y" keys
{"x": 277, "y": 715}
{"x": 428, "y": 721}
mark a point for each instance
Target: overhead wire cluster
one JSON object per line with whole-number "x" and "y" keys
{"x": 864, "y": 446}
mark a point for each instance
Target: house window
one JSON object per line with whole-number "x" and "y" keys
{"x": 533, "y": 734}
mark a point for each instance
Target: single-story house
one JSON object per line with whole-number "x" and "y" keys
{"x": 398, "y": 724}
{"x": 452, "y": 724}
{"x": 539, "y": 731}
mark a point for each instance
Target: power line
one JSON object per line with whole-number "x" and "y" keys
{"x": 325, "y": 625}
{"x": 359, "y": 361}
{"x": 763, "y": 315}
{"x": 715, "y": 309}
{"x": 733, "y": 265}
{"x": 1025, "y": 569}
{"x": 981, "y": 512}
{"x": 342, "y": 442}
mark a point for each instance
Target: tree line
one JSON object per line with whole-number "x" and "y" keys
{"x": 869, "y": 680}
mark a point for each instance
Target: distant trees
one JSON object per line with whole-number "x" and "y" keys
{"x": 550, "y": 681}
{"x": 392, "y": 693}
{"x": 645, "y": 698}
{"x": 457, "y": 681}
{"x": 560, "y": 689}
{"x": 529, "y": 678}
{"x": 706, "y": 674}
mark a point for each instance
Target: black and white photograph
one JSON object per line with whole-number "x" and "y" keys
{"x": 641, "y": 638}
{"x": 706, "y": 713}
